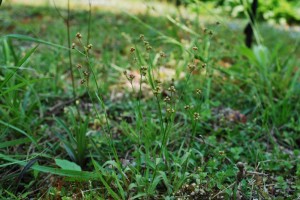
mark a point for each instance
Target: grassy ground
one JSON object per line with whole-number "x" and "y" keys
{"x": 196, "y": 116}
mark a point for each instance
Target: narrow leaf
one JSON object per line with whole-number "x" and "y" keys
{"x": 18, "y": 130}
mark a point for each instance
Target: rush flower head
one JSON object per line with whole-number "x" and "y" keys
{"x": 79, "y": 66}
{"x": 78, "y": 35}
{"x": 196, "y": 116}
{"x": 167, "y": 99}
{"x": 132, "y": 49}
{"x": 89, "y": 46}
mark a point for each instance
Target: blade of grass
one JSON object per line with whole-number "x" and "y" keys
{"x": 31, "y": 39}
{"x": 20, "y": 63}
{"x": 18, "y": 130}
{"x": 99, "y": 170}
{"x": 14, "y": 142}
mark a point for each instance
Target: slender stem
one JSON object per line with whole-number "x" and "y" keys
{"x": 89, "y": 23}
{"x": 70, "y": 55}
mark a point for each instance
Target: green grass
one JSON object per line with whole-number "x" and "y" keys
{"x": 176, "y": 134}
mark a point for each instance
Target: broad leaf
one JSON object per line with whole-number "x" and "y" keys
{"x": 65, "y": 164}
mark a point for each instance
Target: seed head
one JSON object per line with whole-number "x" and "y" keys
{"x": 156, "y": 90}
{"x": 162, "y": 55}
{"x": 142, "y": 37}
{"x": 82, "y": 81}
{"x": 89, "y": 46}
{"x": 131, "y": 77}
{"x": 79, "y": 66}
{"x": 86, "y": 73}
{"x": 73, "y": 45}
{"x": 198, "y": 91}
{"x": 132, "y": 49}
{"x": 196, "y": 116}
{"x": 187, "y": 107}
{"x": 78, "y": 35}
{"x": 203, "y": 65}
{"x": 195, "y": 48}
{"x": 172, "y": 89}
{"x": 191, "y": 67}
{"x": 170, "y": 110}
{"x": 148, "y": 48}
{"x": 157, "y": 81}
{"x": 144, "y": 68}
{"x": 167, "y": 99}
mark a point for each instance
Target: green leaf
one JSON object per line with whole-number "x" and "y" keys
{"x": 18, "y": 130}
{"x": 14, "y": 142}
{"x": 81, "y": 175}
{"x": 20, "y": 63}
{"x": 65, "y": 164}
{"x": 107, "y": 186}
{"x": 31, "y": 39}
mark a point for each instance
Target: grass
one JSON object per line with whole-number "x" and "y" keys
{"x": 196, "y": 115}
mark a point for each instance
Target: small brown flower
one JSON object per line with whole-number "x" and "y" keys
{"x": 170, "y": 110}
{"x": 148, "y": 48}
{"x": 162, "y": 55}
{"x": 131, "y": 77}
{"x": 198, "y": 91}
{"x": 196, "y": 116}
{"x": 156, "y": 90}
{"x": 89, "y": 46}
{"x": 132, "y": 49}
{"x": 142, "y": 37}
{"x": 191, "y": 67}
{"x": 79, "y": 66}
{"x": 86, "y": 73}
{"x": 186, "y": 107}
{"x": 78, "y": 35}
{"x": 167, "y": 99}
{"x": 172, "y": 89}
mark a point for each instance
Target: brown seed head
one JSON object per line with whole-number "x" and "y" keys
{"x": 90, "y": 46}
{"x": 132, "y": 49}
{"x": 78, "y": 35}
{"x": 172, "y": 89}
{"x": 79, "y": 66}
{"x": 198, "y": 91}
{"x": 196, "y": 116}
{"x": 142, "y": 37}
